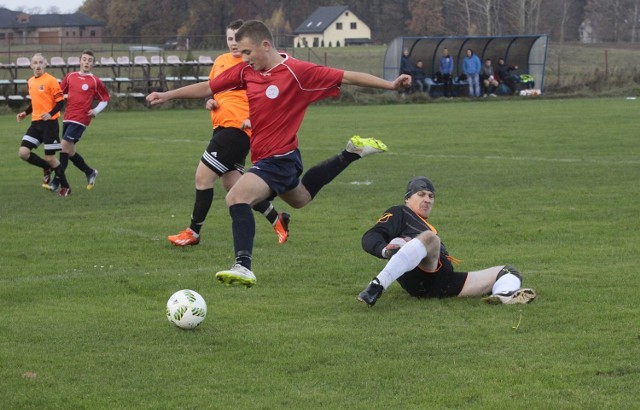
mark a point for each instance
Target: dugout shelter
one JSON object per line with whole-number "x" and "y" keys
{"x": 528, "y": 52}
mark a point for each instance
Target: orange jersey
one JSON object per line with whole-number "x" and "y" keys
{"x": 45, "y": 92}
{"x": 233, "y": 105}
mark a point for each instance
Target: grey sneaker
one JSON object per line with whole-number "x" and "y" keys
{"x": 54, "y": 185}
{"x": 520, "y": 296}
{"x": 91, "y": 179}
{"x": 372, "y": 293}
{"x": 237, "y": 275}
{"x": 365, "y": 146}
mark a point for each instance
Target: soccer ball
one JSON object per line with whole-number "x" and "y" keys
{"x": 186, "y": 309}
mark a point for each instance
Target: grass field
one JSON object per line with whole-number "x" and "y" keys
{"x": 549, "y": 186}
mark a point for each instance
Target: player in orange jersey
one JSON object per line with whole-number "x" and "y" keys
{"x": 47, "y": 100}
{"x": 225, "y": 156}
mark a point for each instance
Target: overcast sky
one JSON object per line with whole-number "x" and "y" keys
{"x": 43, "y": 6}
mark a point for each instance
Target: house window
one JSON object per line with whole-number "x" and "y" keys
{"x": 3, "y": 36}
{"x": 338, "y": 26}
{"x": 92, "y": 33}
{"x": 316, "y": 42}
{"x": 354, "y": 26}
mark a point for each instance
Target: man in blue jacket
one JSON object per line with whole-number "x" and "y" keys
{"x": 446, "y": 71}
{"x": 471, "y": 66}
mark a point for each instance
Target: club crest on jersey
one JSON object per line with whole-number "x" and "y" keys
{"x": 85, "y": 87}
{"x": 41, "y": 88}
{"x": 272, "y": 92}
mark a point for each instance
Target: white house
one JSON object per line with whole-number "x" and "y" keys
{"x": 332, "y": 27}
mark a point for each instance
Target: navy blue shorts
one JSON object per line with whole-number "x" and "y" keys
{"x": 280, "y": 172}
{"x": 72, "y": 131}
{"x": 43, "y": 132}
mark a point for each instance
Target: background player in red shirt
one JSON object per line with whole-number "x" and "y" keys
{"x": 279, "y": 89}
{"x": 47, "y": 100}
{"x": 226, "y": 154}
{"x": 82, "y": 88}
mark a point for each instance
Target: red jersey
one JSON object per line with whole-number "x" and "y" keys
{"x": 45, "y": 93}
{"x": 278, "y": 99}
{"x": 81, "y": 90}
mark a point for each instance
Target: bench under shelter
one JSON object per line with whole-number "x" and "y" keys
{"x": 528, "y": 52}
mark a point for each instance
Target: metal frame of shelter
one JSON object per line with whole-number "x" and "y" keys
{"x": 528, "y": 52}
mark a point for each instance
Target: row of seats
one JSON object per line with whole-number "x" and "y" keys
{"x": 123, "y": 78}
{"x": 73, "y": 61}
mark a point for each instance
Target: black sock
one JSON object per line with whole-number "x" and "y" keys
{"x": 34, "y": 159}
{"x": 78, "y": 161}
{"x": 267, "y": 209}
{"x": 323, "y": 173}
{"x": 64, "y": 160}
{"x": 204, "y": 198}
{"x": 60, "y": 175}
{"x": 243, "y": 227}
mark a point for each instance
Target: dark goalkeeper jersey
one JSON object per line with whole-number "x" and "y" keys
{"x": 397, "y": 221}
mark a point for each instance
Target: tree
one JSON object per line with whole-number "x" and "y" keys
{"x": 426, "y": 17}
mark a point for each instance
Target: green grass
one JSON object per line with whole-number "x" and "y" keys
{"x": 550, "y": 186}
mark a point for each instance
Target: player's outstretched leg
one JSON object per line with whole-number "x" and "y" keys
{"x": 321, "y": 174}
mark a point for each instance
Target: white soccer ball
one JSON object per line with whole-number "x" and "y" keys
{"x": 186, "y": 309}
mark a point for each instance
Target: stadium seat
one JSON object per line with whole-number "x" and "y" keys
{"x": 140, "y": 60}
{"x": 73, "y": 61}
{"x": 107, "y": 61}
{"x": 57, "y": 61}
{"x": 156, "y": 60}
{"x": 23, "y": 62}
{"x": 173, "y": 59}
{"x": 205, "y": 60}
{"x": 123, "y": 61}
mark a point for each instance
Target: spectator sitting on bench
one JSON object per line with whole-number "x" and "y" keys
{"x": 419, "y": 78}
{"x": 487, "y": 79}
{"x": 503, "y": 72}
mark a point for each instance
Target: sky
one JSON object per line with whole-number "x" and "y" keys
{"x": 64, "y": 6}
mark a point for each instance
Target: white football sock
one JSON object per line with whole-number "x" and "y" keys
{"x": 506, "y": 283}
{"x": 407, "y": 258}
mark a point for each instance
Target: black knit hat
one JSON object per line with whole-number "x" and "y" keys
{"x": 418, "y": 184}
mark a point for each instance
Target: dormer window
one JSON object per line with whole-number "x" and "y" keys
{"x": 22, "y": 18}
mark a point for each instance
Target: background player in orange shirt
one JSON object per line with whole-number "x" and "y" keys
{"x": 47, "y": 100}
{"x": 225, "y": 156}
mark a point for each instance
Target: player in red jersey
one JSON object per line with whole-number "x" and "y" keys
{"x": 47, "y": 100}
{"x": 279, "y": 89}
{"x": 82, "y": 88}
{"x": 226, "y": 154}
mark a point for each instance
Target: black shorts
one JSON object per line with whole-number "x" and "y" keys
{"x": 227, "y": 150}
{"x": 72, "y": 131}
{"x": 443, "y": 283}
{"x": 43, "y": 132}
